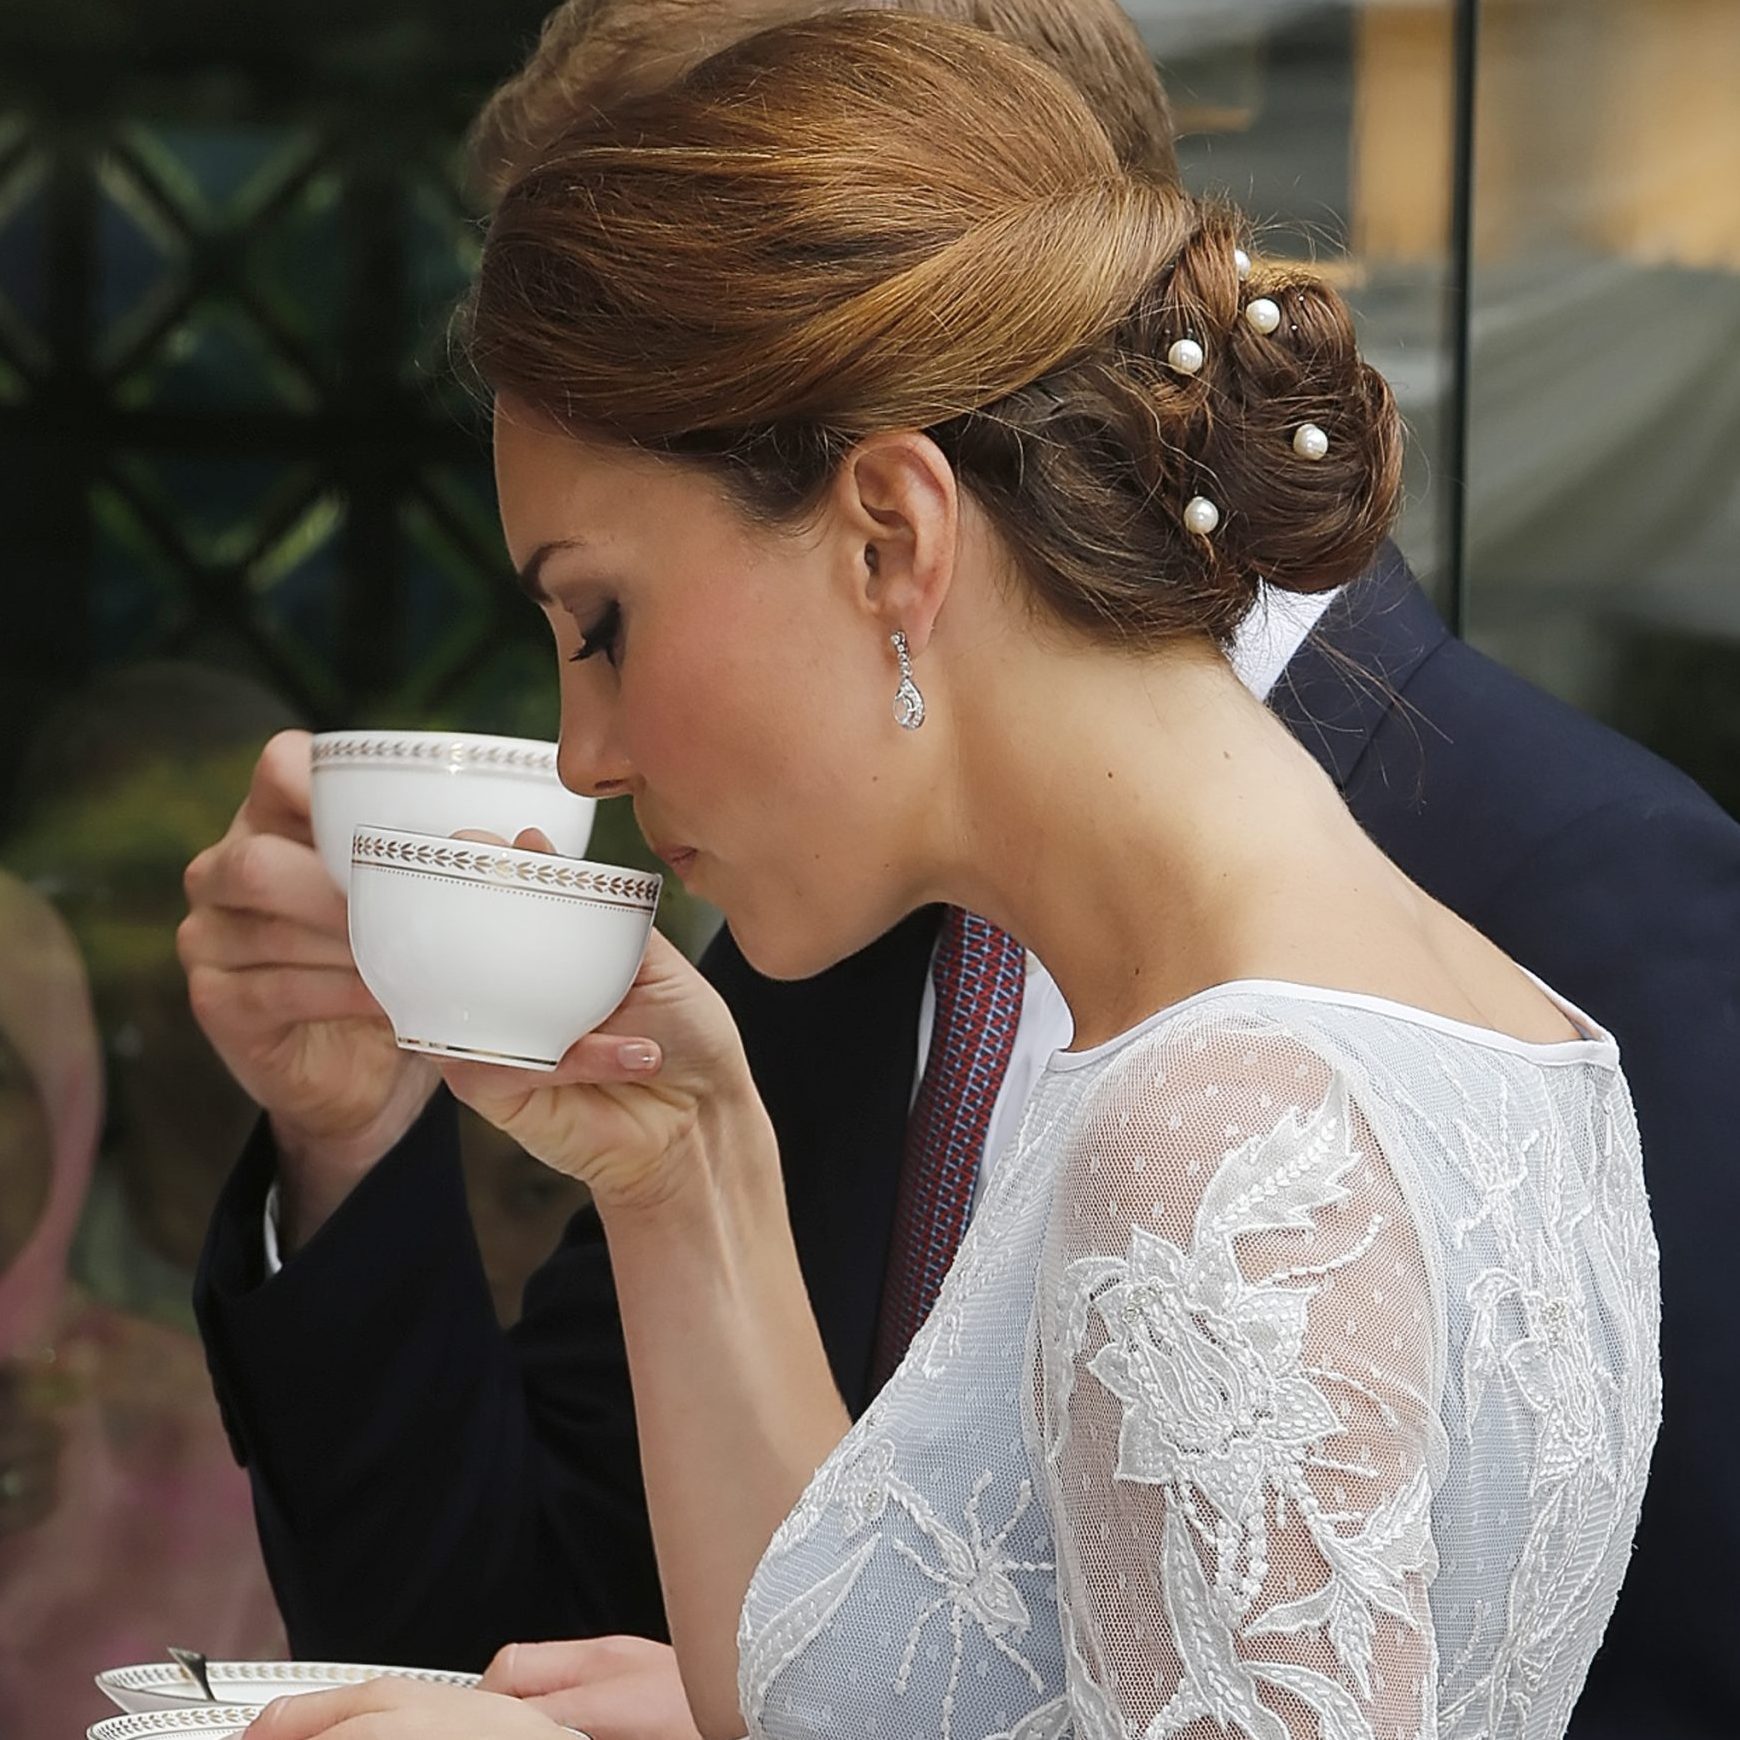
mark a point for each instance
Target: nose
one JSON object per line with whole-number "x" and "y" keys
{"x": 589, "y": 761}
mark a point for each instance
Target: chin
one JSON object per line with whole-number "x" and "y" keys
{"x": 778, "y": 950}
{"x": 797, "y": 939}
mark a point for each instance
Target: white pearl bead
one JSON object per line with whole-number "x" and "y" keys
{"x": 1263, "y": 315}
{"x": 1242, "y": 262}
{"x": 1185, "y": 355}
{"x": 1201, "y": 515}
{"x": 1309, "y": 442}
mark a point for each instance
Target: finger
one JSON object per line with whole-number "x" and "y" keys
{"x": 307, "y": 1714}
{"x": 266, "y": 1000}
{"x": 268, "y": 874}
{"x": 534, "y": 840}
{"x": 527, "y": 1670}
{"x": 299, "y": 1717}
{"x": 598, "y": 1060}
{"x": 609, "y": 1057}
{"x": 279, "y": 799}
{"x": 624, "y": 1704}
{"x": 218, "y": 936}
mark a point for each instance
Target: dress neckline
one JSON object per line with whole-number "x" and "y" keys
{"x": 1599, "y": 1046}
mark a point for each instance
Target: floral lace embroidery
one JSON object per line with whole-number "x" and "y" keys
{"x": 1220, "y": 1408}
{"x": 1416, "y": 1271}
{"x": 1579, "y": 1466}
{"x": 971, "y": 1572}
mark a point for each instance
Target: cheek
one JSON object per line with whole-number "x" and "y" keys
{"x": 758, "y": 711}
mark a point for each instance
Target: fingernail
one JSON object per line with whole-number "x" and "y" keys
{"x": 637, "y": 1054}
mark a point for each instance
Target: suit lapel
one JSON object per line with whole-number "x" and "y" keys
{"x": 1344, "y": 681}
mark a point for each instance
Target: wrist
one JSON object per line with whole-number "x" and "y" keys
{"x": 721, "y": 1174}
{"x": 318, "y": 1169}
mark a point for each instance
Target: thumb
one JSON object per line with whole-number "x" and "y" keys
{"x": 531, "y": 1670}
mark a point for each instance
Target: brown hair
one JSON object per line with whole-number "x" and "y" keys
{"x": 867, "y": 222}
{"x": 593, "y": 53}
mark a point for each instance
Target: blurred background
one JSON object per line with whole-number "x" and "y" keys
{"x": 239, "y": 492}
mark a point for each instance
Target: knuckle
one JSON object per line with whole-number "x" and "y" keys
{"x": 196, "y": 875}
{"x": 211, "y": 997}
{"x": 192, "y": 939}
{"x": 251, "y": 868}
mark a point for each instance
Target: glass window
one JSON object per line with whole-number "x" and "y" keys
{"x": 1604, "y": 477}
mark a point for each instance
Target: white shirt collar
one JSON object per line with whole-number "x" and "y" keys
{"x": 1265, "y": 642}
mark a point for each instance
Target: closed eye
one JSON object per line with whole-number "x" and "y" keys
{"x": 603, "y": 636}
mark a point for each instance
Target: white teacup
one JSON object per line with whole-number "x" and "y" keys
{"x": 489, "y": 952}
{"x": 438, "y": 782}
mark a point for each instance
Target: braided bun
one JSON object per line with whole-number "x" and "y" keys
{"x": 871, "y": 221}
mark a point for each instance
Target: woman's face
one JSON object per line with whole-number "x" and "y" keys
{"x": 733, "y": 680}
{"x": 26, "y": 1154}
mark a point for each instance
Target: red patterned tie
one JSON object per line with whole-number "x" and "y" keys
{"x": 979, "y": 974}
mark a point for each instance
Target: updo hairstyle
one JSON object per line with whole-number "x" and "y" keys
{"x": 873, "y": 221}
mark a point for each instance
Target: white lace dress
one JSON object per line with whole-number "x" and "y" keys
{"x": 1297, "y": 1379}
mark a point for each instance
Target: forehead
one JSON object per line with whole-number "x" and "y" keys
{"x": 556, "y": 488}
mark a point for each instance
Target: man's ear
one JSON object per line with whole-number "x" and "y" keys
{"x": 899, "y": 508}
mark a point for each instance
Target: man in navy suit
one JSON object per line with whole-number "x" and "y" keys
{"x": 429, "y": 1487}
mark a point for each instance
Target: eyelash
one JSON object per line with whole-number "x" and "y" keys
{"x": 604, "y": 636}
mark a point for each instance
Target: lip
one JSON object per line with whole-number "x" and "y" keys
{"x": 679, "y": 858}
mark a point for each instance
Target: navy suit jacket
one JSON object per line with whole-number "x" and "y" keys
{"x": 429, "y": 1487}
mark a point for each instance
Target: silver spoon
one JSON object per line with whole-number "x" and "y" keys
{"x": 191, "y": 1662}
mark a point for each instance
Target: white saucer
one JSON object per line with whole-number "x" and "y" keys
{"x": 213, "y": 1721}
{"x": 165, "y": 1686}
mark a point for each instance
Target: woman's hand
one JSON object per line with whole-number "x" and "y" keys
{"x": 631, "y": 1106}
{"x": 609, "y": 1688}
{"x": 613, "y": 1688}
{"x": 271, "y": 982}
{"x": 398, "y": 1709}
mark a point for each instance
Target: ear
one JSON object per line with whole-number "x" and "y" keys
{"x": 898, "y": 506}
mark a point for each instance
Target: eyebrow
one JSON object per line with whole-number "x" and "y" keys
{"x": 530, "y": 575}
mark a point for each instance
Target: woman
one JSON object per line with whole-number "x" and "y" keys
{"x": 124, "y": 1521}
{"x": 892, "y": 468}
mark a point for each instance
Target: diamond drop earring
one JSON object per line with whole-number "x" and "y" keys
{"x": 908, "y": 702}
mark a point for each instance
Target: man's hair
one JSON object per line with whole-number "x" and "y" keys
{"x": 593, "y": 53}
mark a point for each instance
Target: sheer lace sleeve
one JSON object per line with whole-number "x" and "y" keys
{"x": 1235, "y": 1386}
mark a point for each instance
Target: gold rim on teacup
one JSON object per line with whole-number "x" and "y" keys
{"x": 433, "y": 752}
{"x": 505, "y": 867}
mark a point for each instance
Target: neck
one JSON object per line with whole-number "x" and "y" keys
{"x": 1138, "y": 822}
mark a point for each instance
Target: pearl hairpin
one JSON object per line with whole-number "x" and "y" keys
{"x": 1185, "y": 355}
{"x": 1263, "y": 315}
{"x": 1241, "y": 263}
{"x": 1309, "y": 442}
{"x": 1201, "y": 515}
